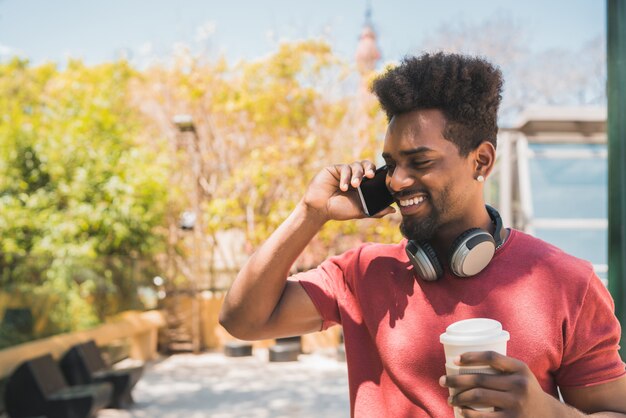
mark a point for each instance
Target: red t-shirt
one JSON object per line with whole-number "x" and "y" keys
{"x": 558, "y": 312}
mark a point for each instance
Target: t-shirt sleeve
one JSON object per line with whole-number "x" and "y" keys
{"x": 590, "y": 352}
{"x": 326, "y": 286}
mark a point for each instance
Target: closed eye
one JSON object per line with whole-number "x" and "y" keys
{"x": 421, "y": 164}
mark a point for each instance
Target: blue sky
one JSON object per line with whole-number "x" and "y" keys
{"x": 97, "y": 31}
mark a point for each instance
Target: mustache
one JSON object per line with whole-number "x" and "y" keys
{"x": 404, "y": 193}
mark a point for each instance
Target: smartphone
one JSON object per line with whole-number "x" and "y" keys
{"x": 374, "y": 194}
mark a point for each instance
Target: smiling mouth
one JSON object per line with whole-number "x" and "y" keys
{"x": 415, "y": 201}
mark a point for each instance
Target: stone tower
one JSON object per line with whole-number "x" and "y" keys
{"x": 367, "y": 52}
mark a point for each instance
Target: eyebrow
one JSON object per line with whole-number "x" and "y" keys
{"x": 406, "y": 153}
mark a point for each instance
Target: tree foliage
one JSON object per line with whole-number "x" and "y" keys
{"x": 94, "y": 176}
{"x": 263, "y": 130}
{"x": 77, "y": 190}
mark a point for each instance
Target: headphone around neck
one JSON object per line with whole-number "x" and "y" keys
{"x": 470, "y": 253}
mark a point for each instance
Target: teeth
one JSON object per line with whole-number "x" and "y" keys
{"x": 414, "y": 201}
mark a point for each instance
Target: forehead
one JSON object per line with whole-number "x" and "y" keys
{"x": 417, "y": 129}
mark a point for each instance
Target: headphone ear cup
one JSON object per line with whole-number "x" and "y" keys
{"x": 424, "y": 260}
{"x": 471, "y": 252}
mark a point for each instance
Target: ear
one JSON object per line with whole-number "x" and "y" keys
{"x": 484, "y": 158}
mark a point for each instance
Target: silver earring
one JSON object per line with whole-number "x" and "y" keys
{"x": 480, "y": 178}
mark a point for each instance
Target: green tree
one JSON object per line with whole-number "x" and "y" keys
{"x": 81, "y": 196}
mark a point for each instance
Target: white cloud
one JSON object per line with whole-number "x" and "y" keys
{"x": 146, "y": 48}
{"x": 205, "y": 31}
{"x": 270, "y": 35}
{"x": 7, "y": 50}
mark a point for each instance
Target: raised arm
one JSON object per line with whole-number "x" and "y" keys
{"x": 261, "y": 302}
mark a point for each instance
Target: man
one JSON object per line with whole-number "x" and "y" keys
{"x": 439, "y": 148}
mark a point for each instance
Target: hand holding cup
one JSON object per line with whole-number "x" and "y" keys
{"x": 470, "y": 335}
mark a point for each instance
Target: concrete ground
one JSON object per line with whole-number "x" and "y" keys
{"x": 212, "y": 385}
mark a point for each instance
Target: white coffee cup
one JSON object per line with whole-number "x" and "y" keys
{"x": 476, "y": 334}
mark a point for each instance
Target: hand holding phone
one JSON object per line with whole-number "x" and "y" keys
{"x": 374, "y": 194}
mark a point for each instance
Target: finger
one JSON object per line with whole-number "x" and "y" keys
{"x": 483, "y": 398}
{"x": 470, "y": 413}
{"x": 502, "y": 382}
{"x": 491, "y": 358}
{"x": 357, "y": 174}
{"x": 369, "y": 168}
{"x": 344, "y": 177}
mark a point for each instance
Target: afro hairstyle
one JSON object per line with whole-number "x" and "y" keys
{"x": 467, "y": 90}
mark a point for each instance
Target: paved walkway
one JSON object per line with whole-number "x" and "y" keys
{"x": 212, "y": 385}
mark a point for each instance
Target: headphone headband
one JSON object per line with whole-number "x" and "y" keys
{"x": 497, "y": 221}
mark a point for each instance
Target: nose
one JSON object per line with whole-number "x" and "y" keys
{"x": 400, "y": 180}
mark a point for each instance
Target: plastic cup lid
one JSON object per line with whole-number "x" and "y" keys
{"x": 473, "y": 332}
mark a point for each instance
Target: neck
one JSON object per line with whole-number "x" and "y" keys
{"x": 448, "y": 233}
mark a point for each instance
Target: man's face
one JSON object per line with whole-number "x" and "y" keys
{"x": 431, "y": 183}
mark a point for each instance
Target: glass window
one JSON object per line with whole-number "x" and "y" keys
{"x": 569, "y": 199}
{"x": 569, "y": 181}
{"x": 588, "y": 244}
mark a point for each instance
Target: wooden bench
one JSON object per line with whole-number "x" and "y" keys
{"x": 37, "y": 387}
{"x": 84, "y": 364}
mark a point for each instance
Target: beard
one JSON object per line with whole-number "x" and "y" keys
{"x": 420, "y": 230}
{"x": 424, "y": 228}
